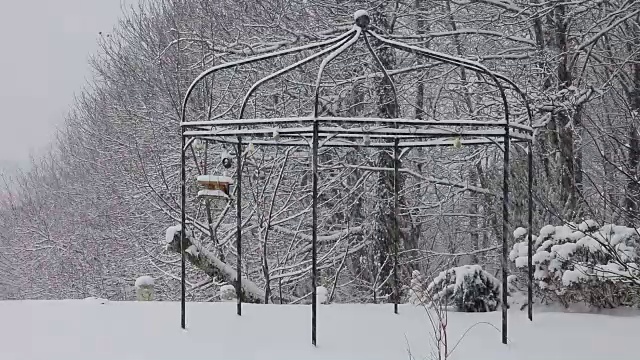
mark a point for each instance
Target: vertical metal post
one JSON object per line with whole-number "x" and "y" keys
{"x": 396, "y": 227}
{"x": 239, "y": 226}
{"x": 314, "y": 228}
{"x": 505, "y": 230}
{"x": 183, "y": 229}
{"x": 530, "y": 232}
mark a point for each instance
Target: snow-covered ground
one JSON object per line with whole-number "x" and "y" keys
{"x": 97, "y": 330}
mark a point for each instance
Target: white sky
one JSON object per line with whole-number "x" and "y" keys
{"x": 43, "y": 61}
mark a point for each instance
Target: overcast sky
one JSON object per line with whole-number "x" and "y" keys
{"x": 45, "y": 49}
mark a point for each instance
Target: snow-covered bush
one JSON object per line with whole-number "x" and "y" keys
{"x": 227, "y": 293}
{"x": 417, "y": 289}
{"x": 322, "y": 295}
{"x": 468, "y": 287}
{"x": 144, "y": 288}
{"x": 172, "y": 239}
{"x": 583, "y": 263}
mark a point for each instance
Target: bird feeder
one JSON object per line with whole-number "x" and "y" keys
{"x": 214, "y": 188}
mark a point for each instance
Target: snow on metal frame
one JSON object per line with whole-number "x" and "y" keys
{"x": 346, "y": 143}
{"x": 372, "y": 127}
{"x": 355, "y": 120}
{"x": 380, "y": 132}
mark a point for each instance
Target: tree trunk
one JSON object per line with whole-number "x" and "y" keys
{"x": 215, "y": 268}
{"x": 565, "y": 123}
{"x": 632, "y": 196}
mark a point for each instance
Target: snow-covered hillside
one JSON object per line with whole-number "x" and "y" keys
{"x": 97, "y": 330}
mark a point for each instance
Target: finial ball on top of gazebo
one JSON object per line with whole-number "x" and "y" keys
{"x": 361, "y": 17}
{"x": 214, "y": 187}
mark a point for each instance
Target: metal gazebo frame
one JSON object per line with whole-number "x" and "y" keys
{"x": 394, "y": 133}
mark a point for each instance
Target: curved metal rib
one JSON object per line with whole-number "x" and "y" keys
{"x": 289, "y": 68}
{"x": 467, "y": 64}
{"x": 396, "y": 178}
{"x": 183, "y": 116}
{"x": 314, "y": 176}
{"x": 471, "y": 65}
{"x": 327, "y": 60}
{"x": 212, "y": 70}
{"x": 385, "y": 74}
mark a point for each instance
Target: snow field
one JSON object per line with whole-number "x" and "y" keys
{"x": 81, "y": 330}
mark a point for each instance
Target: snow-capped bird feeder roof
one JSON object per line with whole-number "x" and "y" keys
{"x": 212, "y": 182}
{"x": 206, "y": 180}
{"x": 215, "y": 187}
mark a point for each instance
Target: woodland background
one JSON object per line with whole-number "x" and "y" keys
{"x": 90, "y": 217}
